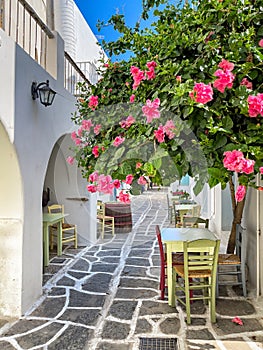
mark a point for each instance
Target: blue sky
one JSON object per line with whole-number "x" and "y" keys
{"x": 103, "y": 9}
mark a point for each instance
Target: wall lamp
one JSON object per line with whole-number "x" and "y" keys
{"x": 44, "y": 92}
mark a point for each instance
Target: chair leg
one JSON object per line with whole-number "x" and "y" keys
{"x": 187, "y": 301}
{"x": 212, "y": 291}
{"x": 113, "y": 228}
{"x": 102, "y": 228}
{"x": 76, "y": 238}
{"x": 243, "y": 276}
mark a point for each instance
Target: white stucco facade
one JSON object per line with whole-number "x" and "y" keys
{"x": 34, "y": 145}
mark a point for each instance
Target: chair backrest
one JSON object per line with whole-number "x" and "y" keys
{"x": 55, "y": 209}
{"x": 241, "y": 242}
{"x": 201, "y": 255}
{"x": 197, "y": 210}
{"x": 194, "y": 221}
{"x": 160, "y": 243}
{"x": 100, "y": 208}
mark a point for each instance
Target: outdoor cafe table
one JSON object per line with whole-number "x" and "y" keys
{"x": 183, "y": 209}
{"x": 173, "y": 239}
{"x": 48, "y": 220}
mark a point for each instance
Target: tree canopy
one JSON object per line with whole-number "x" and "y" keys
{"x": 197, "y": 72}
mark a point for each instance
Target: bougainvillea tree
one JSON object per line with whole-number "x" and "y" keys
{"x": 189, "y": 100}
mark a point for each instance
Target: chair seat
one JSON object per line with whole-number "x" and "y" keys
{"x": 64, "y": 226}
{"x": 177, "y": 258}
{"x": 228, "y": 259}
{"x": 192, "y": 274}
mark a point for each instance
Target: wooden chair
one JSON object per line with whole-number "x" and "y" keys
{"x": 106, "y": 221}
{"x": 194, "y": 221}
{"x": 69, "y": 231}
{"x": 171, "y": 209}
{"x": 234, "y": 264}
{"x": 178, "y": 259}
{"x": 198, "y": 272}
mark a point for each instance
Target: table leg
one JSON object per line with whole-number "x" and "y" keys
{"x": 59, "y": 238}
{"x": 46, "y": 243}
{"x": 170, "y": 276}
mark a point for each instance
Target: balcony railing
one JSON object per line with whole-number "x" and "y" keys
{"x": 73, "y": 76}
{"x": 19, "y": 20}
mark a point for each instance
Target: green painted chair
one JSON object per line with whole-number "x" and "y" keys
{"x": 197, "y": 273}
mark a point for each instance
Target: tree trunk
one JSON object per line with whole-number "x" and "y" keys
{"x": 237, "y": 208}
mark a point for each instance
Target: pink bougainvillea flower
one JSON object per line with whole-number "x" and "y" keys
{"x": 105, "y": 184}
{"x": 118, "y": 141}
{"x": 169, "y": 129}
{"x": 255, "y": 105}
{"x": 70, "y": 160}
{"x": 261, "y": 170}
{"x": 260, "y": 43}
{"x": 94, "y": 176}
{"x": 237, "y": 320}
{"x": 142, "y": 181}
{"x": 97, "y": 129}
{"x": 117, "y": 183}
{"x": 201, "y": 93}
{"x": 106, "y": 65}
{"x": 233, "y": 160}
{"x": 159, "y": 134}
{"x": 129, "y": 179}
{"x": 92, "y": 188}
{"x": 226, "y": 65}
{"x": 225, "y": 80}
{"x": 240, "y": 193}
{"x": 124, "y": 197}
{"x": 78, "y": 141}
{"x": 246, "y": 83}
{"x": 178, "y": 78}
{"x": 132, "y": 98}
{"x": 151, "y": 65}
{"x": 138, "y": 165}
{"x": 80, "y": 131}
{"x": 95, "y": 151}
{"x": 127, "y": 122}
{"x": 248, "y": 166}
{"x": 93, "y": 102}
{"x": 150, "y": 110}
{"x": 86, "y": 124}
{"x": 138, "y": 76}
{"x": 150, "y": 74}
{"x": 74, "y": 136}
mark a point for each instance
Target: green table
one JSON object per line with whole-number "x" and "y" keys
{"x": 173, "y": 239}
{"x": 48, "y": 220}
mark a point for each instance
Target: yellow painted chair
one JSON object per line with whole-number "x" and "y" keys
{"x": 197, "y": 273}
{"x": 69, "y": 231}
{"x": 106, "y": 221}
{"x": 234, "y": 265}
{"x": 193, "y": 221}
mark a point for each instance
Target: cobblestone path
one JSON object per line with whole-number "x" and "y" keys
{"x": 105, "y": 297}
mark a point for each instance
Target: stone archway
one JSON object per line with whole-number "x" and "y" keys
{"x": 11, "y": 228}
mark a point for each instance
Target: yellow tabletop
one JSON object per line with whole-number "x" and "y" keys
{"x": 173, "y": 239}
{"x": 51, "y": 219}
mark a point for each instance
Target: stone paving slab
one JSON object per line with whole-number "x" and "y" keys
{"x": 106, "y": 297}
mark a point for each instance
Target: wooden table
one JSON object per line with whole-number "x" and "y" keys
{"x": 184, "y": 208}
{"x": 173, "y": 239}
{"x": 48, "y": 220}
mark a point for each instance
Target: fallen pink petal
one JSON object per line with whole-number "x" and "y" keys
{"x": 237, "y": 320}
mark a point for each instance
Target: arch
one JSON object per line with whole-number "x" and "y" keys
{"x": 11, "y": 228}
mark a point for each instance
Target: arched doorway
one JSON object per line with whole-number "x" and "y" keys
{"x": 11, "y": 228}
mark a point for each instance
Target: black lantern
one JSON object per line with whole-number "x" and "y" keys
{"x": 44, "y": 92}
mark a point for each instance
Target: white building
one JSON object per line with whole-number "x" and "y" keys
{"x": 34, "y": 139}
